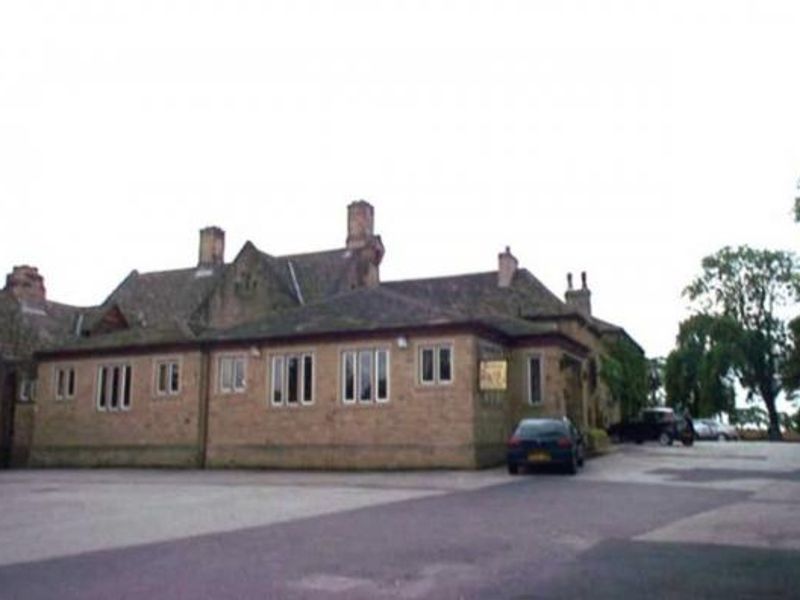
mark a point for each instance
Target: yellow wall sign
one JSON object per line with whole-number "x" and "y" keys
{"x": 493, "y": 375}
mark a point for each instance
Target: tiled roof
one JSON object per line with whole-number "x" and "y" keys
{"x": 319, "y": 275}
{"x": 365, "y": 309}
{"x": 125, "y": 338}
{"x": 24, "y": 326}
{"x": 309, "y": 294}
{"x": 374, "y": 309}
{"x": 478, "y": 295}
{"x": 162, "y": 299}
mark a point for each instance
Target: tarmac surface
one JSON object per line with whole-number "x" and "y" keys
{"x": 718, "y": 520}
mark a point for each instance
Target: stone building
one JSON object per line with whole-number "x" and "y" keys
{"x": 28, "y": 321}
{"x": 311, "y": 360}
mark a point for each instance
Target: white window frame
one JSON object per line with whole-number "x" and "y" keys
{"x": 26, "y": 390}
{"x": 232, "y": 360}
{"x": 436, "y": 349}
{"x": 65, "y": 393}
{"x": 528, "y": 387}
{"x": 171, "y": 363}
{"x": 283, "y": 371}
{"x": 104, "y": 385}
{"x": 353, "y": 355}
{"x": 375, "y": 354}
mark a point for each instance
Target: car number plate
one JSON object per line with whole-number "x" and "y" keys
{"x": 539, "y": 456}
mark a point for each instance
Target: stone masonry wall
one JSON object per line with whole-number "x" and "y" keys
{"x": 155, "y": 431}
{"x": 419, "y": 427}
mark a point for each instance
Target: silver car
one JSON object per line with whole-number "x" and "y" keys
{"x": 709, "y": 429}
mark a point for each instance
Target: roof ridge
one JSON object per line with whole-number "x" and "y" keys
{"x": 318, "y": 252}
{"x": 133, "y": 274}
{"x": 441, "y": 277}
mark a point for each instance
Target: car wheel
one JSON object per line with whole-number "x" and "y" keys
{"x": 513, "y": 469}
{"x": 581, "y": 459}
{"x": 665, "y": 439}
{"x": 572, "y": 465}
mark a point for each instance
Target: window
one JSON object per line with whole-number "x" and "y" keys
{"x": 27, "y": 389}
{"x": 114, "y": 387}
{"x": 436, "y": 364}
{"x": 292, "y": 379}
{"x": 365, "y": 376}
{"x": 168, "y": 377}
{"x": 534, "y": 379}
{"x": 65, "y": 383}
{"x": 231, "y": 374}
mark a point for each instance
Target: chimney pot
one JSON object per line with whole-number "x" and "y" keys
{"x": 579, "y": 299}
{"x": 212, "y": 247}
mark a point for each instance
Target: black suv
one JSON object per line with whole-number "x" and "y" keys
{"x": 652, "y": 424}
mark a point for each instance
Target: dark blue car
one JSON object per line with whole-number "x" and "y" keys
{"x": 545, "y": 442}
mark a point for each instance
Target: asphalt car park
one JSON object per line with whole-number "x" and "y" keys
{"x": 665, "y": 521}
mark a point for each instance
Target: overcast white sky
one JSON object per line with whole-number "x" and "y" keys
{"x": 627, "y": 139}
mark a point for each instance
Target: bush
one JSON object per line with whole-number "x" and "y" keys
{"x": 597, "y": 441}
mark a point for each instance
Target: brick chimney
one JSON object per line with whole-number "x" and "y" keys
{"x": 580, "y": 299}
{"x": 360, "y": 224}
{"x": 506, "y": 267}
{"x": 25, "y": 283}
{"x": 212, "y": 247}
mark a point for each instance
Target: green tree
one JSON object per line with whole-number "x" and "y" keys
{"x": 624, "y": 369}
{"x": 753, "y": 415}
{"x": 791, "y": 365}
{"x": 700, "y": 372}
{"x": 655, "y": 380}
{"x": 748, "y": 286}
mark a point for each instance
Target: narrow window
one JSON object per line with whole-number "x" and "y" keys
{"x": 445, "y": 365}
{"x": 113, "y": 403}
{"x": 226, "y": 374}
{"x": 25, "y": 392}
{"x": 308, "y": 379}
{"x": 175, "y": 378}
{"x": 277, "y": 379}
{"x": 163, "y": 374}
{"x": 70, "y": 383}
{"x": 292, "y": 380}
{"x": 349, "y": 376}
{"x": 382, "y": 375}
{"x": 426, "y": 360}
{"x": 126, "y": 387}
{"x": 534, "y": 380}
{"x": 102, "y": 377}
{"x": 365, "y": 376}
{"x": 61, "y": 383}
{"x": 238, "y": 374}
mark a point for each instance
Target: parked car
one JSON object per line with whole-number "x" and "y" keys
{"x": 709, "y": 429}
{"x": 545, "y": 442}
{"x": 652, "y": 424}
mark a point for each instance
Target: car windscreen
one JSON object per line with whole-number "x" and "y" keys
{"x": 540, "y": 429}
